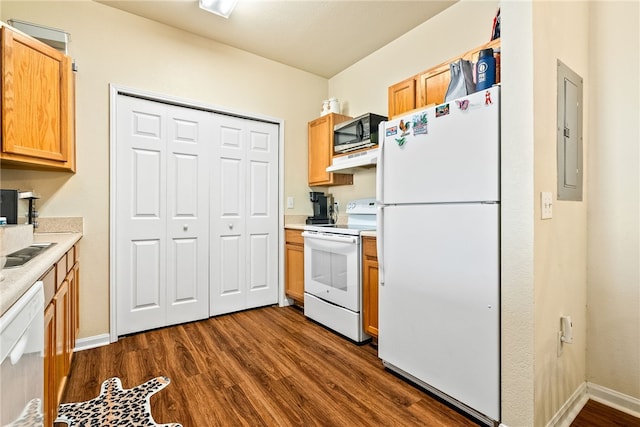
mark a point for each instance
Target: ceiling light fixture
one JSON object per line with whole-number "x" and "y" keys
{"x": 219, "y": 7}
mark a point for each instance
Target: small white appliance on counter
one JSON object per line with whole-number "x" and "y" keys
{"x": 22, "y": 363}
{"x": 438, "y": 236}
{"x": 332, "y": 271}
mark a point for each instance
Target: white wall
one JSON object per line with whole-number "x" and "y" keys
{"x": 111, "y": 46}
{"x": 613, "y": 293}
{"x": 560, "y": 244}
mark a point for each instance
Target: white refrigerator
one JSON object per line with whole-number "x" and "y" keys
{"x": 438, "y": 196}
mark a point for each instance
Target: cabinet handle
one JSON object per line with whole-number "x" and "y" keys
{"x": 185, "y": 227}
{"x": 230, "y": 226}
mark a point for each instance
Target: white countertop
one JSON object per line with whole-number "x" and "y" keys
{"x": 295, "y": 226}
{"x": 18, "y": 280}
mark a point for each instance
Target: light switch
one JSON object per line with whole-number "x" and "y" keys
{"x": 290, "y": 202}
{"x": 546, "y": 205}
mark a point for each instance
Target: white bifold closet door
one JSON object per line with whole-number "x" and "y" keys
{"x": 162, "y": 218}
{"x": 244, "y": 215}
{"x": 196, "y": 214}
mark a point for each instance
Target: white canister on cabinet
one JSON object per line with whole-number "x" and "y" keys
{"x": 334, "y": 105}
{"x": 325, "y": 108}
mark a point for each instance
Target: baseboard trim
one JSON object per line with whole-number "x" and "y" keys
{"x": 614, "y": 399}
{"x": 571, "y": 408}
{"x": 91, "y": 342}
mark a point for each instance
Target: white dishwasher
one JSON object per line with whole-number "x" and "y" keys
{"x": 21, "y": 354}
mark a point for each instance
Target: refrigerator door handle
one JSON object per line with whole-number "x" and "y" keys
{"x": 379, "y": 165}
{"x": 380, "y": 244}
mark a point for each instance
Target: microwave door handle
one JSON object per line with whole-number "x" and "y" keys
{"x": 359, "y": 130}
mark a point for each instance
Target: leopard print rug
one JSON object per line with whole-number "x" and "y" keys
{"x": 115, "y": 406}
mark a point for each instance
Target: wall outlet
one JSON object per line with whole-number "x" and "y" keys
{"x": 290, "y": 202}
{"x": 546, "y": 205}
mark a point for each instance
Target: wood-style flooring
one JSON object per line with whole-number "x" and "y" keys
{"x": 263, "y": 367}
{"x": 596, "y": 414}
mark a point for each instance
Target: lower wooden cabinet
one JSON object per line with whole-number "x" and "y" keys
{"x": 61, "y": 325}
{"x": 50, "y": 389}
{"x": 62, "y": 304}
{"x": 294, "y": 265}
{"x": 370, "y": 286}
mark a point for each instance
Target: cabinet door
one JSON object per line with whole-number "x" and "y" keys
{"x": 433, "y": 85}
{"x": 50, "y": 387}
{"x": 321, "y": 151}
{"x": 71, "y": 337}
{"x": 402, "y": 97}
{"x": 294, "y": 265}
{"x": 62, "y": 305}
{"x": 37, "y": 104}
{"x": 75, "y": 310}
{"x": 370, "y": 286}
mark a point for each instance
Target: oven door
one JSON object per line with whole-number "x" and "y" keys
{"x": 332, "y": 268}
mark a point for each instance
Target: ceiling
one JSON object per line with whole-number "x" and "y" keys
{"x": 321, "y": 37}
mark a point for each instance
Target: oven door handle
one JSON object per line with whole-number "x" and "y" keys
{"x": 330, "y": 238}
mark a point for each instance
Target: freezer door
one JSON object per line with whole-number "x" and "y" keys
{"x": 450, "y": 153}
{"x": 439, "y": 312}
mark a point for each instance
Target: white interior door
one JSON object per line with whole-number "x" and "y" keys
{"x": 162, "y": 214}
{"x": 244, "y": 215}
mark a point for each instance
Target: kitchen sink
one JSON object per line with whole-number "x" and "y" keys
{"x": 24, "y": 255}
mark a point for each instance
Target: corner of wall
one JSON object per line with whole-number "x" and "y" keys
{"x": 517, "y": 274}
{"x": 561, "y": 32}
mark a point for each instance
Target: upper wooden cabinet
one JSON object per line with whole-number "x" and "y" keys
{"x": 321, "y": 151}
{"x": 430, "y": 86}
{"x": 38, "y": 108}
{"x": 402, "y": 96}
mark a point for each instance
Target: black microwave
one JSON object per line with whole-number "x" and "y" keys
{"x": 358, "y": 133}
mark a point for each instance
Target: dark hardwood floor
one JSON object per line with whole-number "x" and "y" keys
{"x": 596, "y": 414}
{"x": 264, "y": 367}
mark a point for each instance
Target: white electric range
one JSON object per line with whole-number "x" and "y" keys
{"x": 332, "y": 270}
